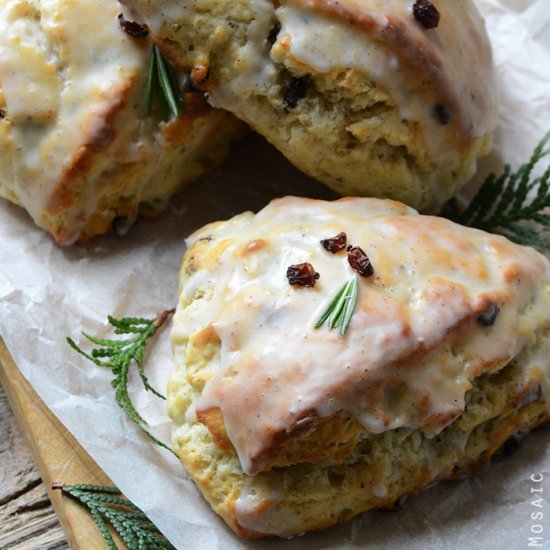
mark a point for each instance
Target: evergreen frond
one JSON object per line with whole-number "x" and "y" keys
{"x": 119, "y": 355}
{"x": 107, "y": 506}
{"x": 502, "y": 204}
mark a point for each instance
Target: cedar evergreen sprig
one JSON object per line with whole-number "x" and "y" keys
{"x": 119, "y": 354}
{"x": 163, "y": 84}
{"x": 502, "y": 203}
{"x": 340, "y": 310}
{"x": 108, "y": 507}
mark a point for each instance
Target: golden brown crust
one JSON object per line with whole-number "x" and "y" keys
{"x": 286, "y": 427}
{"x": 412, "y": 480}
{"x": 91, "y": 155}
{"x": 416, "y": 54}
{"x": 416, "y": 478}
{"x": 62, "y": 197}
{"x": 346, "y": 88}
{"x": 305, "y": 440}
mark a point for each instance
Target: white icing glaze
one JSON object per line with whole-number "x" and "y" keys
{"x": 254, "y": 72}
{"x": 413, "y": 344}
{"x": 441, "y": 80}
{"x": 255, "y": 495}
{"x": 322, "y": 42}
{"x": 75, "y": 63}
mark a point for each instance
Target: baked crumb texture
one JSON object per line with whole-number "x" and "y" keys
{"x": 286, "y": 428}
{"x": 77, "y": 149}
{"x": 359, "y": 95}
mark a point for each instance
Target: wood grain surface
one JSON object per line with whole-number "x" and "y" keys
{"x": 26, "y": 518}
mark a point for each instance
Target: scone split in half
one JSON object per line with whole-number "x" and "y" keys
{"x": 288, "y": 425}
{"x": 392, "y": 98}
{"x": 78, "y": 149}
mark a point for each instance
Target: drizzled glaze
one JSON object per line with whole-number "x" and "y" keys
{"x": 427, "y": 72}
{"x": 397, "y": 364}
{"x": 77, "y": 65}
{"x": 443, "y": 70}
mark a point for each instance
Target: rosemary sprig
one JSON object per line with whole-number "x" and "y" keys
{"x": 340, "y": 310}
{"x": 119, "y": 354}
{"x": 107, "y": 506}
{"x": 502, "y": 204}
{"x": 163, "y": 84}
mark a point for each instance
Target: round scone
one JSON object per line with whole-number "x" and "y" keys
{"x": 393, "y": 99}
{"x": 332, "y": 357}
{"x": 77, "y": 147}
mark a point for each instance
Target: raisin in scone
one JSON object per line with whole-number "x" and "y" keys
{"x": 393, "y": 99}
{"x": 77, "y": 147}
{"x": 287, "y": 424}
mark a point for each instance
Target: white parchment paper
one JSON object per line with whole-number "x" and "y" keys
{"x": 47, "y": 293}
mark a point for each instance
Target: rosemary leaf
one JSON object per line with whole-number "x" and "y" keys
{"x": 169, "y": 84}
{"x": 107, "y": 506}
{"x": 151, "y": 82}
{"x": 163, "y": 84}
{"x": 330, "y": 307}
{"x": 351, "y": 302}
{"x": 119, "y": 354}
{"x": 335, "y": 316}
{"x": 339, "y": 312}
{"x": 502, "y": 204}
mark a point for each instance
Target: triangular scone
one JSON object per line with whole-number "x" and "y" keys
{"x": 78, "y": 149}
{"x": 366, "y": 96}
{"x": 286, "y": 427}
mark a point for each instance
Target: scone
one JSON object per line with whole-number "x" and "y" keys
{"x": 77, "y": 147}
{"x": 394, "y": 99}
{"x": 290, "y": 421}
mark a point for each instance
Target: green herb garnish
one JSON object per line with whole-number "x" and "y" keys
{"x": 163, "y": 84}
{"x": 107, "y": 506}
{"x": 340, "y": 310}
{"x": 119, "y": 354}
{"x": 502, "y": 203}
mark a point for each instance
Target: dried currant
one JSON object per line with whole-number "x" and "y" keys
{"x": 426, "y": 14}
{"x": 296, "y": 90}
{"x": 489, "y": 316}
{"x": 359, "y": 261}
{"x": 135, "y": 30}
{"x": 335, "y": 244}
{"x": 442, "y": 113}
{"x": 302, "y": 275}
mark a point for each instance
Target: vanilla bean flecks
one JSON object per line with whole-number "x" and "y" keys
{"x": 131, "y": 28}
{"x": 302, "y": 275}
{"x": 335, "y": 244}
{"x": 489, "y": 316}
{"x": 359, "y": 261}
{"x": 426, "y": 14}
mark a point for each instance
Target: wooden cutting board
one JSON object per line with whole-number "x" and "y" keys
{"x": 57, "y": 454}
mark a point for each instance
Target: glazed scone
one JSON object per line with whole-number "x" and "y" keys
{"x": 77, "y": 148}
{"x": 357, "y": 93}
{"x": 286, "y": 427}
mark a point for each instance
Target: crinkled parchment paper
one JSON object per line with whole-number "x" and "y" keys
{"x": 47, "y": 293}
